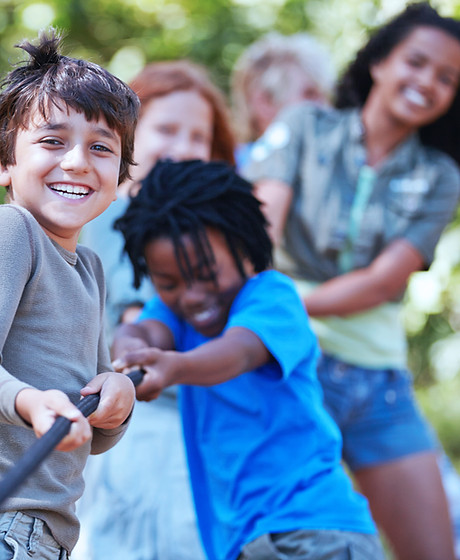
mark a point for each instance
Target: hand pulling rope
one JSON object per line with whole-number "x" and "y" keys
{"x": 44, "y": 445}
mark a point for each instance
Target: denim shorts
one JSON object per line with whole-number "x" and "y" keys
{"x": 376, "y": 412}
{"x": 314, "y": 545}
{"x": 27, "y": 538}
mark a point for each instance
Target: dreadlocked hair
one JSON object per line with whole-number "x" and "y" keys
{"x": 178, "y": 198}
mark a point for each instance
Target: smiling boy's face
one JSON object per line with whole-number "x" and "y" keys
{"x": 204, "y": 302}
{"x": 66, "y": 171}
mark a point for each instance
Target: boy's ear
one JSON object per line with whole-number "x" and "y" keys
{"x": 5, "y": 178}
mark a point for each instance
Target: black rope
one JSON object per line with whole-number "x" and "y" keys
{"x": 39, "y": 450}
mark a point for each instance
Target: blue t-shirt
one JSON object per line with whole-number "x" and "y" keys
{"x": 264, "y": 455}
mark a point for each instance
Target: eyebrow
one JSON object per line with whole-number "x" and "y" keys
{"x": 196, "y": 270}
{"x": 161, "y": 274}
{"x": 424, "y": 54}
{"x": 101, "y": 130}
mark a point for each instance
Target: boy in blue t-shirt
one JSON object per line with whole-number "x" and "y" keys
{"x": 264, "y": 456}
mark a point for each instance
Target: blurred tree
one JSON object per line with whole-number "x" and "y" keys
{"x": 211, "y": 32}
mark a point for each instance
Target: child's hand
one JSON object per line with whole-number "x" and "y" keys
{"x": 41, "y": 408}
{"x": 161, "y": 369}
{"x": 117, "y": 399}
{"x": 123, "y": 344}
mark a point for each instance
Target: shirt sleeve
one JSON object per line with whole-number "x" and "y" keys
{"x": 427, "y": 221}
{"x": 271, "y": 308}
{"x": 277, "y": 153}
{"x": 16, "y": 256}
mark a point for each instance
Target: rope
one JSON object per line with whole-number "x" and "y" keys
{"x": 44, "y": 445}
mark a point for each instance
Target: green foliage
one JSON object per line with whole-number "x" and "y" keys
{"x": 440, "y": 404}
{"x": 435, "y": 328}
{"x": 211, "y": 32}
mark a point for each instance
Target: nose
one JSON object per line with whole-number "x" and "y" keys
{"x": 426, "y": 77}
{"x": 193, "y": 297}
{"x": 183, "y": 148}
{"x": 75, "y": 160}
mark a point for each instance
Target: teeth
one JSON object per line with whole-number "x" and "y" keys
{"x": 204, "y": 315}
{"x": 70, "y": 191}
{"x": 70, "y": 195}
{"x": 416, "y": 97}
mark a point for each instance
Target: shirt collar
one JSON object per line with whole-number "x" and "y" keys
{"x": 397, "y": 161}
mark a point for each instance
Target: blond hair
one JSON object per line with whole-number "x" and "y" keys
{"x": 268, "y": 65}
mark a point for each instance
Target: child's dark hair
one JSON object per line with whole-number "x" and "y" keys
{"x": 48, "y": 78}
{"x": 178, "y": 198}
{"x": 356, "y": 83}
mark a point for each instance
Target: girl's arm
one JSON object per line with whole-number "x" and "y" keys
{"x": 276, "y": 198}
{"x": 383, "y": 280}
{"x": 237, "y": 351}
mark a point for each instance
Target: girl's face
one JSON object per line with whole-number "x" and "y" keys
{"x": 416, "y": 83}
{"x": 205, "y": 302}
{"x": 177, "y": 126}
{"x": 264, "y": 108}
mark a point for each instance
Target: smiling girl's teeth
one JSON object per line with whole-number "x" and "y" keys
{"x": 415, "y": 97}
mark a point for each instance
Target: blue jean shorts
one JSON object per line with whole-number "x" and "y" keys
{"x": 314, "y": 545}
{"x": 27, "y": 538}
{"x": 376, "y": 412}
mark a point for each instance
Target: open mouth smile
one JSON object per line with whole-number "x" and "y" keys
{"x": 205, "y": 318}
{"x": 74, "y": 192}
{"x": 204, "y": 315}
{"x": 416, "y": 98}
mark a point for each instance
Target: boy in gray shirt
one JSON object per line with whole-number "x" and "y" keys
{"x": 66, "y": 142}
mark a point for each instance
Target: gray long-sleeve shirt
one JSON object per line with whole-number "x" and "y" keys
{"x": 51, "y": 337}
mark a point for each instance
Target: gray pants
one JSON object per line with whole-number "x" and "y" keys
{"x": 314, "y": 545}
{"x": 27, "y": 538}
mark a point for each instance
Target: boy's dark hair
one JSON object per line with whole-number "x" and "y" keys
{"x": 48, "y": 78}
{"x": 355, "y": 84}
{"x": 187, "y": 197}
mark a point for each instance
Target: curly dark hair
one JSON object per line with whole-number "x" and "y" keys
{"x": 48, "y": 78}
{"x": 178, "y": 198}
{"x": 355, "y": 84}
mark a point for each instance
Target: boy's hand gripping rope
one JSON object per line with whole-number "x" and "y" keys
{"x": 44, "y": 445}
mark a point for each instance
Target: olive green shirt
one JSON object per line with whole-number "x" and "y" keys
{"x": 320, "y": 154}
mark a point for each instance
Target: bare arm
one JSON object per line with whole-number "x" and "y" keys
{"x": 276, "y": 198}
{"x": 384, "y": 279}
{"x": 133, "y": 336}
{"x": 237, "y": 351}
{"x": 131, "y": 313}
